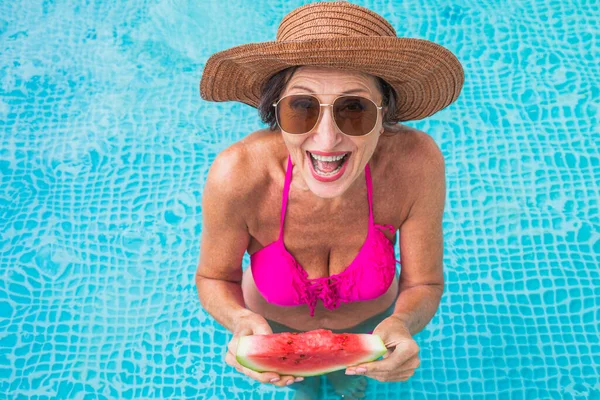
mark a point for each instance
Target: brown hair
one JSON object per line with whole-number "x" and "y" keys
{"x": 273, "y": 87}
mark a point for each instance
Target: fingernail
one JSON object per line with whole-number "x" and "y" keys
{"x": 299, "y": 379}
{"x": 290, "y": 382}
{"x": 361, "y": 370}
{"x": 351, "y": 372}
{"x": 274, "y": 379}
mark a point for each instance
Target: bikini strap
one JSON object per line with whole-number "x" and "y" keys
{"x": 369, "y": 192}
{"x": 389, "y": 227}
{"x": 286, "y": 190}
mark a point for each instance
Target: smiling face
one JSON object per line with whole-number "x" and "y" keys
{"x": 311, "y": 151}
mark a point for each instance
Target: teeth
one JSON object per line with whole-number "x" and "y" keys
{"x": 319, "y": 172}
{"x": 315, "y": 157}
{"x": 327, "y": 158}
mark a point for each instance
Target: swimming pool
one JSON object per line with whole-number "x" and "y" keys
{"x": 104, "y": 149}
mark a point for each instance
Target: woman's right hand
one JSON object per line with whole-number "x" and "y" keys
{"x": 254, "y": 324}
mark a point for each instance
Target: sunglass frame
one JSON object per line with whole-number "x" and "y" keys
{"x": 321, "y": 111}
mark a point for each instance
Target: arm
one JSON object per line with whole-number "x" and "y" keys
{"x": 225, "y": 201}
{"x": 224, "y": 239}
{"x": 421, "y": 243}
{"x": 422, "y": 279}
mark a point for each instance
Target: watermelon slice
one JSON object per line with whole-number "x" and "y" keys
{"x": 309, "y": 353}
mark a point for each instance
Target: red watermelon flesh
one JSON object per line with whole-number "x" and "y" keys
{"x": 309, "y": 353}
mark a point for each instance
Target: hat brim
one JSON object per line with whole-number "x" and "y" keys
{"x": 427, "y": 77}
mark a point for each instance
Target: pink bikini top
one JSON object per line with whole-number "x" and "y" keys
{"x": 283, "y": 281}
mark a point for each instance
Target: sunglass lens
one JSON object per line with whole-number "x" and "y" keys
{"x": 355, "y": 115}
{"x": 298, "y": 113}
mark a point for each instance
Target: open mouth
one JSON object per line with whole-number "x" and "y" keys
{"x": 327, "y": 166}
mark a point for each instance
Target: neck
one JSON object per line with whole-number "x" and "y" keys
{"x": 356, "y": 190}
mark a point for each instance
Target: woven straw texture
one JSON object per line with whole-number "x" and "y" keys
{"x": 426, "y": 76}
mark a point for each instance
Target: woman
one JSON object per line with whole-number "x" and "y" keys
{"x": 317, "y": 197}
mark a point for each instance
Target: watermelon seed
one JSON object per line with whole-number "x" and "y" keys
{"x": 290, "y": 342}
{"x": 283, "y": 358}
{"x": 302, "y": 355}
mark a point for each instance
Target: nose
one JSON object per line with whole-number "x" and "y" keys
{"x": 326, "y": 134}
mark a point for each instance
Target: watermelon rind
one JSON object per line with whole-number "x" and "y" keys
{"x": 372, "y": 343}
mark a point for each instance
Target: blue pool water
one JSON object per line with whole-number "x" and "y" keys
{"x": 104, "y": 149}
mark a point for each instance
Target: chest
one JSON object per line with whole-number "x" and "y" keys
{"x": 322, "y": 239}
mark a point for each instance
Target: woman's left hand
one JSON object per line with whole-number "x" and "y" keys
{"x": 401, "y": 359}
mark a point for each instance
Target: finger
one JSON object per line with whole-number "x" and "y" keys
{"x": 287, "y": 380}
{"x": 371, "y": 368}
{"x": 263, "y": 377}
{"x": 397, "y": 358}
{"x": 388, "y": 378}
{"x": 230, "y": 359}
{"x": 232, "y": 346}
{"x": 264, "y": 329}
{"x": 243, "y": 331}
{"x": 377, "y": 369}
{"x": 403, "y": 377}
{"x": 411, "y": 364}
{"x": 392, "y": 377}
{"x": 233, "y": 343}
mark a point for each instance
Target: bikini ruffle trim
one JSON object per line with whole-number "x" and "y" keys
{"x": 334, "y": 290}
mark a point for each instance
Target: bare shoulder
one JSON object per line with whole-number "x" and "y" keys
{"x": 240, "y": 170}
{"x": 421, "y": 236}
{"x": 228, "y": 175}
{"x": 416, "y": 146}
{"x": 413, "y": 165}
{"x": 413, "y": 154}
{"x": 232, "y": 188}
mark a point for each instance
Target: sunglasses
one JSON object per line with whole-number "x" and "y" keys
{"x": 353, "y": 115}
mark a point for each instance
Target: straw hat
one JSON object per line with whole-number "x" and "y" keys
{"x": 426, "y": 76}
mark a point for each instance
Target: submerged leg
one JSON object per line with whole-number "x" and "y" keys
{"x": 350, "y": 386}
{"x": 355, "y": 386}
{"x": 308, "y": 389}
